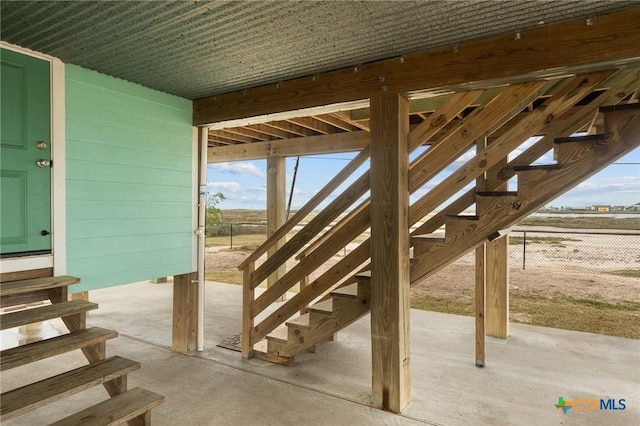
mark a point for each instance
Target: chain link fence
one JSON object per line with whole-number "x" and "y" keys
{"x": 577, "y": 251}
{"x": 236, "y": 234}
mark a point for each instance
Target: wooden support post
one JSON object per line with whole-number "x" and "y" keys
{"x": 497, "y": 295}
{"x": 276, "y": 209}
{"x": 497, "y": 270}
{"x": 480, "y": 302}
{"x": 304, "y": 282}
{"x": 81, "y": 295}
{"x": 248, "y": 294}
{"x": 390, "y": 252}
{"x": 481, "y": 276}
{"x": 185, "y": 313}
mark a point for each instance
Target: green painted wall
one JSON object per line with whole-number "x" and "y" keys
{"x": 129, "y": 181}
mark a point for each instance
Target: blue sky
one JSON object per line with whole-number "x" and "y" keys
{"x": 244, "y": 183}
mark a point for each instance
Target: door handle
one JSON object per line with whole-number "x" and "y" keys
{"x": 44, "y": 232}
{"x": 42, "y": 163}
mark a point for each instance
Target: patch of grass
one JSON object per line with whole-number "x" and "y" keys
{"x": 230, "y": 277}
{"x": 447, "y": 306}
{"x": 631, "y": 273}
{"x": 245, "y": 242}
{"x": 622, "y": 306}
{"x": 556, "y": 311}
{"x": 541, "y": 240}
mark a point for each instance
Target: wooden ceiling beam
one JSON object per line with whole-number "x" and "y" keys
{"x": 269, "y": 130}
{"x": 336, "y": 122}
{"x": 312, "y": 145}
{"x": 243, "y": 131}
{"x": 603, "y": 42}
{"x": 232, "y": 136}
{"x": 314, "y": 124}
{"x": 291, "y": 128}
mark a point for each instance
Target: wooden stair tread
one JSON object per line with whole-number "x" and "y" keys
{"x": 536, "y": 167}
{"x": 363, "y": 275}
{"x": 25, "y": 354}
{"x": 350, "y": 291}
{"x": 462, "y": 217}
{"x": 428, "y": 238}
{"x": 26, "y": 286}
{"x": 116, "y": 410}
{"x": 300, "y": 322}
{"x": 586, "y": 138}
{"x": 43, "y": 313}
{"x": 496, "y": 193}
{"x": 326, "y": 306}
{"x": 280, "y": 334}
{"x": 26, "y": 398}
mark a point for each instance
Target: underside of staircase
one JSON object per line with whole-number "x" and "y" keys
{"x": 476, "y": 142}
{"x": 132, "y": 406}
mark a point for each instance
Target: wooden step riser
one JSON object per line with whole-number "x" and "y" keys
{"x": 570, "y": 152}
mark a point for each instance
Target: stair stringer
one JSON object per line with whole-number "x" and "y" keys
{"x": 578, "y": 160}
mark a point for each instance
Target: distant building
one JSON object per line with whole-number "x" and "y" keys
{"x": 603, "y": 209}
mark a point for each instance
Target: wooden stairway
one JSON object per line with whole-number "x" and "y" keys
{"x": 577, "y": 158}
{"x": 124, "y": 406}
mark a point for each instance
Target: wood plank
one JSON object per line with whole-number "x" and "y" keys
{"x": 25, "y": 275}
{"x": 26, "y": 398}
{"x": 276, "y": 212}
{"x": 35, "y": 284}
{"x": 497, "y": 288}
{"x": 248, "y": 294}
{"x": 390, "y": 252}
{"x": 314, "y": 202}
{"x": 311, "y": 145}
{"x": 43, "y": 313}
{"x": 621, "y": 84}
{"x": 480, "y": 305}
{"x": 24, "y": 298}
{"x": 184, "y": 338}
{"x": 116, "y": 410}
{"x": 555, "y": 106}
{"x": 314, "y": 124}
{"x": 358, "y": 224}
{"x": 539, "y": 186}
{"x": 547, "y": 50}
{"x": 21, "y": 355}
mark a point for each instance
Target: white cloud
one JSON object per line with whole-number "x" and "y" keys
{"x": 225, "y": 186}
{"x": 239, "y": 169}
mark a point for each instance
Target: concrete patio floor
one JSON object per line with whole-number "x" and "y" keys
{"x": 520, "y": 384}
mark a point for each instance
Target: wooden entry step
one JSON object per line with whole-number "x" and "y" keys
{"x": 35, "y": 395}
{"x": 12, "y": 288}
{"x": 57, "y": 310}
{"x": 127, "y": 406}
{"x": 21, "y": 355}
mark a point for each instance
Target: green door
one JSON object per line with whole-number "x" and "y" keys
{"x": 25, "y": 180}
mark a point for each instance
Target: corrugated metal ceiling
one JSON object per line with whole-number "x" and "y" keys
{"x": 197, "y": 49}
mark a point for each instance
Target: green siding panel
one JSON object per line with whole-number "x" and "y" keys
{"x": 129, "y": 181}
